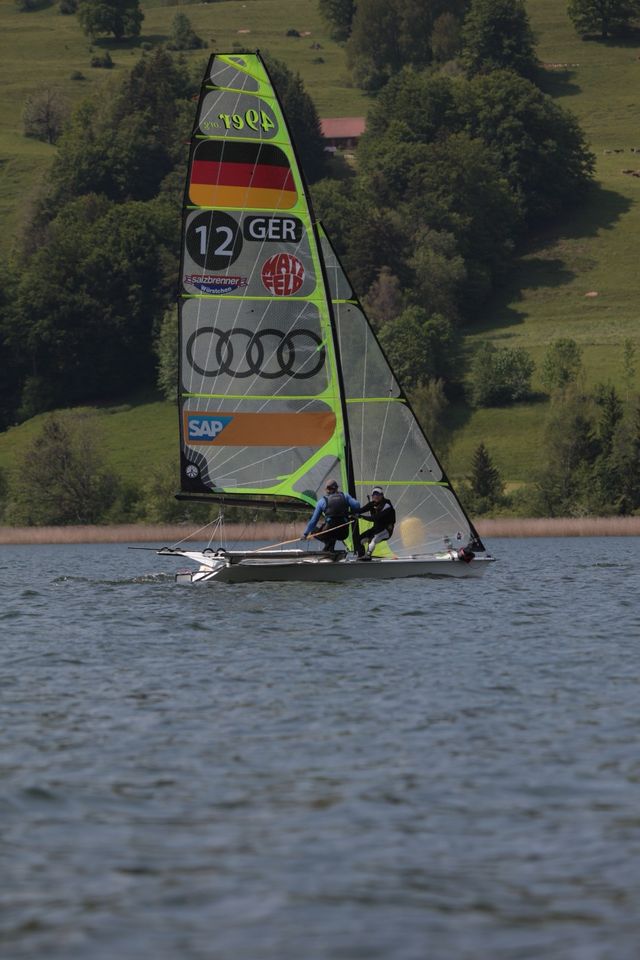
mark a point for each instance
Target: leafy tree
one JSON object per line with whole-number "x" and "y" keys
{"x": 420, "y": 347}
{"x": 61, "y": 477}
{"x": 439, "y": 270}
{"x": 302, "y": 117}
{"x": 393, "y": 115}
{"x": 386, "y": 35}
{"x": 122, "y": 18}
{"x": 124, "y": 149}
{"x": 540, "y": 147}
{"x": 44, "y": 115}
{"x": 90, "y": 296}
{"x": 183, "y": 36}
{"x": 457, "y": 190}
{"x": 497, "y": 35}
{"x": 562, "y": 364}
{"x": 339, "y": 15}
{"x": 605, "y": 16}
{"x": 500, "y": 375}
{"x": 536, "y": 146}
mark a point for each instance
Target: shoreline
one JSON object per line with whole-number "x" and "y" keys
{"x": 171, "y": 534}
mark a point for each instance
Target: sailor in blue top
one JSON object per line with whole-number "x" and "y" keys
{"x": 336, "y": 507}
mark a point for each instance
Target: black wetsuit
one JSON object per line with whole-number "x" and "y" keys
{"x": 383, "y": 516}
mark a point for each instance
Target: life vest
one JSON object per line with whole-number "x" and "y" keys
{"x": 337, "y": 507}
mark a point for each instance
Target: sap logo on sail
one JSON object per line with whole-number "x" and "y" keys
{"x": 208, "y": 284}
{"x": 281, "y": 229}
{"x": 205, "y": 429}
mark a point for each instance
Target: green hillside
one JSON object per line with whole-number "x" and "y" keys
{"x": 594, "y": 252}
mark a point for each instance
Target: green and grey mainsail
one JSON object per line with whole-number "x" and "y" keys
{"x": 261, "y": 407}
{"x": 282, "y": 381}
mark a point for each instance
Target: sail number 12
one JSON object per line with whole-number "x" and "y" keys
{"x": 251, "y": 118}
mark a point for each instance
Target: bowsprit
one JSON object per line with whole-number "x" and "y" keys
{"x": 267, "y": 353}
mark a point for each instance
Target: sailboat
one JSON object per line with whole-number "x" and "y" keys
{"x": 282, "y": 382}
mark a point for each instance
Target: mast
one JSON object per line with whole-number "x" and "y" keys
{"x": 350, "y": 477}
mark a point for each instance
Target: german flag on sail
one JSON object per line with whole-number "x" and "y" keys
{"x": 225, "y": 174}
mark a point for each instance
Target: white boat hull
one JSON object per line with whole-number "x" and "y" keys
{"x": 310, "y": 569}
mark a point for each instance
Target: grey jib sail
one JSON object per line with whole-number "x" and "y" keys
{"x": 388, "y": 446}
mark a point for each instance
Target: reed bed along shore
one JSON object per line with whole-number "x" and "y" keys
{"x": 171, "y": 534}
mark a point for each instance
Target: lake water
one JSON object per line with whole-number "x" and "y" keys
{"x": 411, "y": 770}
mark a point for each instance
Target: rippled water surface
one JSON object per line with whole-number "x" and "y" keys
{"x": 411, "y": 770}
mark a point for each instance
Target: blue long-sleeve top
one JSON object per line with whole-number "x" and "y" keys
{"x": 321, "y": 506}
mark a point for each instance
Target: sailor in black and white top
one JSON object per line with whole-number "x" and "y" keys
{"x": 383, "y": 516}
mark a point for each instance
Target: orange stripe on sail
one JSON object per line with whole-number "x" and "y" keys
{"x": 258, "y": 429}
{"x": 219, "y": 195}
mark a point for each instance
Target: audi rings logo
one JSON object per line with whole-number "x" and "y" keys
{"x": 269, "y": 353}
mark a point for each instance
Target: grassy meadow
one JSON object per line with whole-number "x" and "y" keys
{"x": 579, "y": 279}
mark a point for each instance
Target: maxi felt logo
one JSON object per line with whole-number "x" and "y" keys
{"x": 205, "y": 428}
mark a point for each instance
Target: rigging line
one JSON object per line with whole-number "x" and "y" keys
{"x": 309, "y": 536}
{"x": 194, "y": 532}
{"x": 220, "y": 523}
